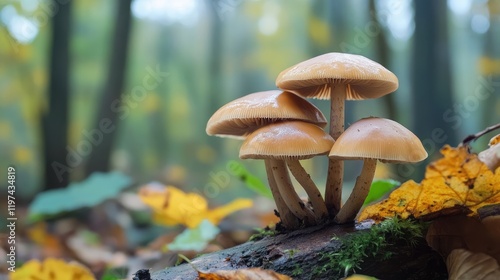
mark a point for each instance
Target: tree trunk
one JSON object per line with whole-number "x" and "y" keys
{"x": 55, "y": 121}
{"x": 431, "y": 75}
{"x": 301, "y": 255}
{"x": 101, "y": 153}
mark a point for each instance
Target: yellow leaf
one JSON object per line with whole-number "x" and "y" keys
{"x": 216, "y": 215}
{"x": 242, "y": 274}
{"x": 458, "y": 182}
{"x": 171, "y": 206}
{"x": 53, "y": 269}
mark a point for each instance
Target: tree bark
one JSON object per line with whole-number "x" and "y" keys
{"x": 55, "y": 121}
{"x": 101, "y": 153}
{"x": 298, "y": 254}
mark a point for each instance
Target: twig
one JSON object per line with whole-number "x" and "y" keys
{"x": 473, "y": 137}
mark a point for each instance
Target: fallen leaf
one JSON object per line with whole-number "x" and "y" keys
{"x": 93, "y": 253}
{"x": 90, "y": 192}
{"x": 171, "y": 206}
{"x": 242, "y": 274}
{"x": 194, "y": 239}
{"x": 458, "y": 182}
{"x": 53, "y": 269}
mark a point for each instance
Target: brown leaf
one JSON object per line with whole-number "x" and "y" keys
{"x": 458, "y": 182}
{"x": 242, "y": 274}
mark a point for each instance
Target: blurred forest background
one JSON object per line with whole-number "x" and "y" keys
{"x": 129, "y": 85}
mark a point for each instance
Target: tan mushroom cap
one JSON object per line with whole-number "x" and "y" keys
{"x": 378, "y": 138}
{"x": 364, "y": 78}
{"x": 243, "y": 115}
{"x": 286, "y": 140}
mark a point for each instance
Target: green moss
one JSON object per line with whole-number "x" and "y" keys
{"x": 261, "y": 233}
{"x": 297, "y": 271}
{"x": 370, "y": 243}
{"x": 291, "y": 252}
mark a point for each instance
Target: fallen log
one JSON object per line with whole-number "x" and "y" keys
{"x": 328, "y": 252}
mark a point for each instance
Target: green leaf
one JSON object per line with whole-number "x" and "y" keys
{"x": 195, "y": 239}
{"x": 90, "y": 192}
{"x": 379, "y": 188}
{"x": 250, "y": 180}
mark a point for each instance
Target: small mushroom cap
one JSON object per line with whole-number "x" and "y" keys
{"x": 364, "y": 78}
{"x": 243, "y": 115}
{"x": 378, "y": 138}
{"x": 286, "y": 140}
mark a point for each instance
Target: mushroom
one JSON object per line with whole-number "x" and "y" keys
{"x": 241, "y": 116}
{"x": 372, "y": 139}
{"x": 338, "y": 77}
{"x": 491, "y": 156}
{"x": 245, "y": 114}
{"x": 285, "y": 143}
{"x": 463, "y": 265}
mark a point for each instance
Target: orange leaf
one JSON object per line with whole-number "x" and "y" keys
{"x": 458, "y": 182}
{"x": 242, "y": 274}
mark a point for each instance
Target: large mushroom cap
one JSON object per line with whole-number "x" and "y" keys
{"x": 243, "y": 115}
{"x": 381, "y": 139}
{"x": 286, "y": 140}
{"x": 364, "y": 78}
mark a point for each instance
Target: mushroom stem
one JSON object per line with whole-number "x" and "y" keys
{"x": 292, "y": 200}
{"x": 359, "y": 193}
{"x": 333, "y": 190}
{"x": 312, "y": 191}
{"x": 287, "y": 217}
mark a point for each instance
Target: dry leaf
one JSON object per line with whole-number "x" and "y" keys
{"x": 465, "y": 265}
{"x": 53, "y": 269}
{"x": 242, "y": 274}
{"x": 458, "y": 182}
{"x": 171, "y": 206}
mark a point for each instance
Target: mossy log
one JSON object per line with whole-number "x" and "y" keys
{"x": 307, "y": 254}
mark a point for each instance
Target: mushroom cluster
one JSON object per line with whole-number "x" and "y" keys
{"x": 282, "y": 127}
